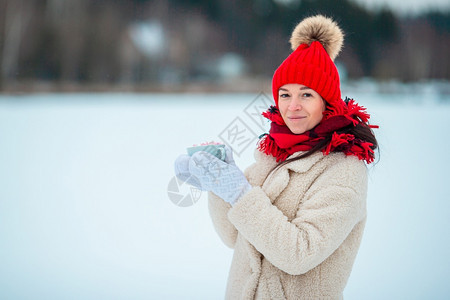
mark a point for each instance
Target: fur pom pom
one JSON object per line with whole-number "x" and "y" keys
{"x": 321, "y": 29}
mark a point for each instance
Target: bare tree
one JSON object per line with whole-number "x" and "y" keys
{"x": 16, "y": 18}
{"x": 69, "y": 19}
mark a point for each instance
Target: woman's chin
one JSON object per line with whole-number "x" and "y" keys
{"x": 298, "y": 131}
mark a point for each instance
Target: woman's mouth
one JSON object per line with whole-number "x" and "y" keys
{"x": 296, "y": 118}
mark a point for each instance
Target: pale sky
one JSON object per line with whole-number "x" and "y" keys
{"x": 407, "y": 6}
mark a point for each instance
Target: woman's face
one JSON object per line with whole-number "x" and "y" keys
{"x": 300, "y": 107}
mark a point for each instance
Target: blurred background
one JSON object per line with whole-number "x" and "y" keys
{"x": 173, "y": 45}
{"x": 98, "y": 98}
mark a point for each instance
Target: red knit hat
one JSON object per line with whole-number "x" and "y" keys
{"x": 316, "y": 41}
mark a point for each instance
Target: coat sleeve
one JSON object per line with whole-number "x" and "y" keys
{"x": 218, "y": 210}
{"x": 333, "y": 205}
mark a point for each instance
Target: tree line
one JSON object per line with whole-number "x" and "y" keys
{"x": 93, "y": 41}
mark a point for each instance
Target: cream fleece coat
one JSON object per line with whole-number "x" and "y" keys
{"x": 296, "y": 234}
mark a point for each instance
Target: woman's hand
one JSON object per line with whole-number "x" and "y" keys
{"x": 182, "y": 171}
{"x": 224, "y": 179}
{"x": 208, "y": 173}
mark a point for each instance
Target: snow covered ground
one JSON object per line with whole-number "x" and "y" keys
{"x": 85, "y": 211}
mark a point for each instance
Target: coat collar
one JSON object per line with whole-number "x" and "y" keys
{"x": 299, "y": 166}
{"x": 304, "y": 164}
{"x": 277, "y": 181}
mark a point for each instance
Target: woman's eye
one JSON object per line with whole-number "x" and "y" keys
{"x": 283, "y": 95}
{"x": 307, "y": 95}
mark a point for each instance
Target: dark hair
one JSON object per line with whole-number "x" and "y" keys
{"x": 361, "y": 131}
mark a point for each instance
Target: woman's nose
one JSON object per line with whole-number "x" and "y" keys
{"x": 295, "y": 105}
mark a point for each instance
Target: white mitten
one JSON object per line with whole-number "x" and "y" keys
{"x": 224, "y": 179}
{"x": 182, "y": 171}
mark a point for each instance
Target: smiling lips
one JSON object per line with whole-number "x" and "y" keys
{"x": 296, "y": 118}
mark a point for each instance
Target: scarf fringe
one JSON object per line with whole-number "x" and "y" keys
{"x": 352, "y": 111}
{"x": 268, "y": 146}
{"x": 363, "y": 151}
{"x": 273, "y": 114}
{"x": 350, "y": 146}
{"x": 338, "y": 140}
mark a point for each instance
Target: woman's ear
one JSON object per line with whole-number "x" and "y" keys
{"x": 325, "y": 105}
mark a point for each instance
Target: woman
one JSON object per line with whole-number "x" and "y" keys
{"x": 296, "y": 218}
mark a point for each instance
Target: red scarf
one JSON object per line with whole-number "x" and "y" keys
{"x": 281, "y": 142}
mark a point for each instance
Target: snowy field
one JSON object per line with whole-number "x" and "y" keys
{"x": 85, "y": 212}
